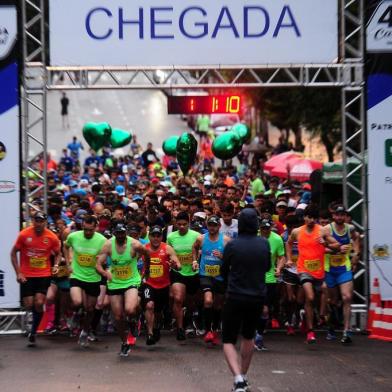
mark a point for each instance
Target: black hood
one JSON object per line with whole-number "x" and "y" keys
{"x": 248, "y": 222}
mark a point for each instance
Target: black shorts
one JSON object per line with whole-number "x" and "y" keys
{"x": 207, "y": 283}
{"x": 121, "y": 291}
{"x": 290, "y": 278}
{"x": 304, "y": 277}
{"x": 240, "y": 316}
{"x": 34, "y": 286}
{"x": 192, "y": 283}
{"x": 271, "y": 294}
{"x": 160, "y": 297}
{"x": 103, "y": 281}
{"x": 90, "y": 288}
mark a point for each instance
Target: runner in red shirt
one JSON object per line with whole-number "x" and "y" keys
{"x": 36, "y": 245}
{"x": 155, "y": 290}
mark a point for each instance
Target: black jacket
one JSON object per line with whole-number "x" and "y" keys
{"x": 246, "y": 260}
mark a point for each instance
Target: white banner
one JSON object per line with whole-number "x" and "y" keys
{"x": 192, "y": 32}
{"x": 9, "y": 155}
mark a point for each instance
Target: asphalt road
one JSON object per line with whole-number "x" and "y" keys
{"x": 58, "y": 364}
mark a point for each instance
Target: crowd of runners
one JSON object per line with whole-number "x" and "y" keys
{"x": 131, "y": 246}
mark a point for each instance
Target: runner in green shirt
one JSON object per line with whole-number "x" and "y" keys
{"x": 186, "y": 280}
{"x": 277, "y": 263}
{"x": 85, "y": 245}
{"x": 123, "y": 280}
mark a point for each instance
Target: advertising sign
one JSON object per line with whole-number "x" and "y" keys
{"x": 9, "y": 153}
{"x": 192, "y": 32}
{"x": 379, "y": 114}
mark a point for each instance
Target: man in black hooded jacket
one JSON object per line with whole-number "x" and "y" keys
{"x": 245, "y": 262}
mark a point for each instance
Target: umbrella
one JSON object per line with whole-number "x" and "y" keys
{"x": 281, "y": 161}
{"x": 301, "y": 169}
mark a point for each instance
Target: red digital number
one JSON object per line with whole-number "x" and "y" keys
{"x": 233, "y": 104}
{"x": 192, "y": 105}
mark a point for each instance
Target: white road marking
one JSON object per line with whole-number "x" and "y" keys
{"x": 278, "y": 372}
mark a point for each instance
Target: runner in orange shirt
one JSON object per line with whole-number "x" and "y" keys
{"x": 36, "y": 244}
{"x": 312, "y": 240}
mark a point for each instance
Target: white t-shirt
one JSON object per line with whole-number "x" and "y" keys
{"x": 230, "y": 231}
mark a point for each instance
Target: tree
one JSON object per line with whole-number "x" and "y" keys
{"x": 322, "y": 116}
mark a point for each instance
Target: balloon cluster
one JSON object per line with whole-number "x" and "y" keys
{"x": 184, "y": 148}
{"x": 229, "y": 144}
{"x": 99, "y": 135}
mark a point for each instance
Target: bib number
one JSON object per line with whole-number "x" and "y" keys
{"x": 122, "y": 272}
{"x": 156, "y": 271}
{"x": 185, "y": 259}
{"x": 38, "y": 262}
{"x": 86, "y": 260}
{"x": 312, "y": 265}
{"x": 212, "y": 270}
{"x": 337, "y": 260}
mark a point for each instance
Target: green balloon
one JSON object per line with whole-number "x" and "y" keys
{"x": 227, "y": 145}
{"x": 97, "y": 135}
{"x": 169, "y": 146}
{"x": 120, "y": 138}
{"x": 243, "y": 131}
{"x": 186, "y": 151}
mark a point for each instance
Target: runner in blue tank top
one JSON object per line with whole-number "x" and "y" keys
{"x": 210, "y": 247}
{"x": 338, "y": 268}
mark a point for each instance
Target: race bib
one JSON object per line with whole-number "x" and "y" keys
{"x": 312, "y": 265}
{"x": 38, "y": 261}
{"x": 86, "y": 260}
{"x": 156, "y": 271}
{"x": 123, "y": 272}
{"x": 155, "y": 260}
{"x": 337, "y": 260}
{"x": 212, "y": 270}
{"x": 185, "y": 259}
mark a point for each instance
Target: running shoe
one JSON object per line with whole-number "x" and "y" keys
{"x": 259, "y": 343}
{"x": 241, "y": 386}
{"x": 150, "y": 341}
{"x": 275, "y": 324}
{"x": 209, "y": 337}
{"x": 92, "y": 337}
{"x": 30, "y": 340}
{"x": 131, "y": 340}
{"x": 331, "y": 335}
{"x": 180, "y": 334}
{"x": 83, "y": 339}
{"x": 157, "y": 334}
{"x": 346, "y": 338}
{"x": 310, "y": 337}
{"x": 215, "y": 339}
{"x": 125, "y": 349}
{"x": 52, "y": 330}
{"x": 290, "y": 330}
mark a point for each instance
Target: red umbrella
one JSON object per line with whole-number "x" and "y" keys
{"x": 281, "y": 161}
{"x": 301, "y": 169}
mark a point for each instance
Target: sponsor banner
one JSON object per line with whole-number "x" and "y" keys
{"x": 379, "y": 130}
{"x": 192, "y": 32}
{"x": 9, "y": 153}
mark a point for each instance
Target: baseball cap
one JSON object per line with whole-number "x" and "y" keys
{"x": 214, "y": 220}
{"x": 120, "y": 228}
{"x": 73, "y": 183}
{"x": 265, "y": 223}
{"x": 78, "y": 218}
{"x": 40, "y": 215}
{"x": 134, "y": 228}
{"x": 120, "y": 190}
{"x": 137, "y": 198}
{"x": 200, "y": 214}
{"x": 121, "y": 178}
{"x": 340, "y": 210}
{"x": 156, "y": 230}
{"x": 281, "y": 204}
{"x": 307, "y": 187}
{"x": 134, "y": 206}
